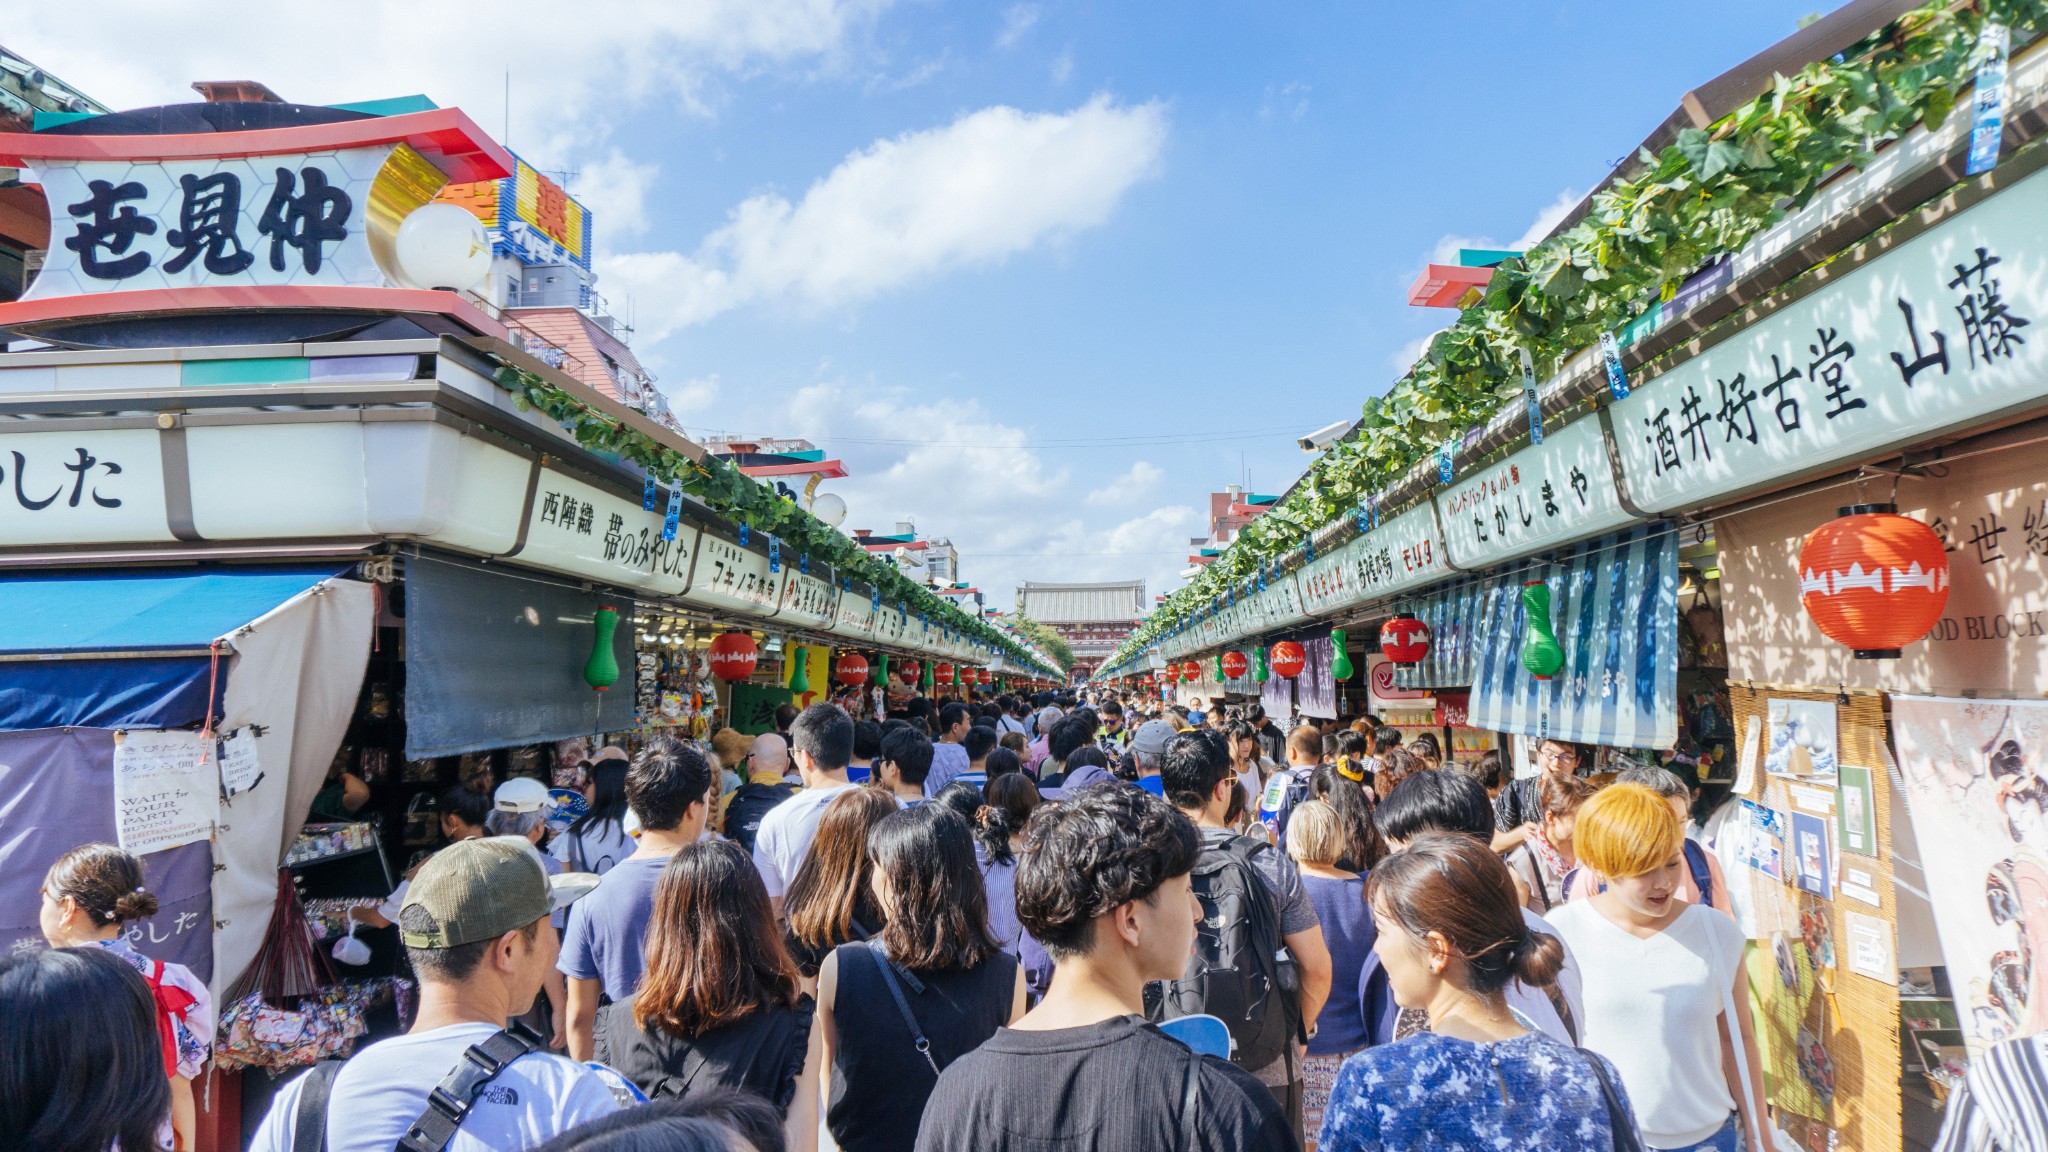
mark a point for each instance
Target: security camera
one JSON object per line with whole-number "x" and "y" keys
{"x": 1323, "y": 437}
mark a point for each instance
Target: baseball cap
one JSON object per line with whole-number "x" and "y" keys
{"x": 521, "y": 794}
{"x": 1151, "y": 737}
{"x": 481, "y": 889}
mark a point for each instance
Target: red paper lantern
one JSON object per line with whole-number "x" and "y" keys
{"x": 1235, "y": 665}
{"x": 851, "y": 669}
{"x": 942, "y": 673}
{"x": 1405, "y": 640}
{"x": 1191, "y": 671}
{"x": 733, "y": 656}
{"x": 1287, "y": 659}
{"x": 908, "y": 670}
{"x": 1873, "y": 580}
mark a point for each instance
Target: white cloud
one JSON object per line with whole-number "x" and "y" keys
{"x": 568, "y": 66}
{"x": 1289, "y": 100}
{"x": 1062, "y": 67}
{"x": 615, "y": 188}
{"x": 693, "y": 395}
{"x": 1137, "y": 481}
{"x": 1017, "y": 20}
{"x": 1446, "y": 250}
{"x": 991, "y": 184}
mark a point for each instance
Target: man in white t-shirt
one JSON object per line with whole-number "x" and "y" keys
{"x": 821, "y": 742}
{"x": 476, "y": 926}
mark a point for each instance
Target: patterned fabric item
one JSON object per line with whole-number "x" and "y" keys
{"x": 185, "y": 1009}
{"x": 1318, "y": 1077}
{"x": 1431, "y": 1091}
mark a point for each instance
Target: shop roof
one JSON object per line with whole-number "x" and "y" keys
{"x": 79, "y": 613}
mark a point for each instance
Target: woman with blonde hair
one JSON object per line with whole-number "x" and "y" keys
{"x": 1665, "y": 995}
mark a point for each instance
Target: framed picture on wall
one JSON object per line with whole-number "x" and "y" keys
{"x": 1856, "y": 811}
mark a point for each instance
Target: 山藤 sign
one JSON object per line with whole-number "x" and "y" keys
{"x": 1935, "y": 335}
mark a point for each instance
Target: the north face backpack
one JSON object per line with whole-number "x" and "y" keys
{"x": 752, "y": 802}
{"x": 1236, "y": 973}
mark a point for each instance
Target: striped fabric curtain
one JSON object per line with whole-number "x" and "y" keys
{"x": 1614, "y": 605}
{"x": 1453, "y": 614}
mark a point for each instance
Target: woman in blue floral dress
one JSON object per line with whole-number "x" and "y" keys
{"x": 1481, "y": 1079}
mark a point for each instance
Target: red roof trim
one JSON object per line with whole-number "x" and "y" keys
{"x": 444, "y": 135}
{"x": 219, "y": 297}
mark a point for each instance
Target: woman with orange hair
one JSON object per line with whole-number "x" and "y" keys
{"x": 1665, "y": 994}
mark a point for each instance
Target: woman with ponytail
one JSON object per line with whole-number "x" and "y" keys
{"x": 88, "y": 895}
{"x": 1451, "y": 936}
{"x": 998, "y": 837}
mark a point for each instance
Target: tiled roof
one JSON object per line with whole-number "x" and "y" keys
{"x": 1114, "y": 602}
{"x": 588, "y": 345}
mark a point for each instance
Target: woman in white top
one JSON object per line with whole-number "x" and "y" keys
{"x": 1661, "y": 977}
{"x": 598, "y": 839}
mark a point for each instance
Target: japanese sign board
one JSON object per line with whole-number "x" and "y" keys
{"x": 729, "y": 576}
{"x": 118, "y": 225}
{"x": 578, "y": 527}
{"x": 855, "y": 613}
{"x": 806, "y": 600}
{"x": 1543, "y": 496}
{"x": 1401, "y": 554}
{"x": 82, "y": 487}
{"x": 532, "y": 217}
{"x": 1932, "y": 336}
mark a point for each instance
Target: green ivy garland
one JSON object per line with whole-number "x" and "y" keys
{"x": 1705, "y": 195}
{"x": 736, "y": 496}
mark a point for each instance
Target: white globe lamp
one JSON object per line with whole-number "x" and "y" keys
{"x": 829, "y": 509}
{"x": 442, "y": 246}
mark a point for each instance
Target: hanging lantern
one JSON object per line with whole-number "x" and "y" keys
{"x": 942, "y": 673}
{"x": 1259, "y": 670}
{"x": 1340, "y": 658}
{"x": 1191, "y": 671}
{"x": 1405, "y": 640}
{"x": 929, "y": 676}
{"x": 601, "y": 671}
{"x": 851, "y": 669}
{"x": 1234, "y": 665}
{"x": 907, "y": 669}
{"x": 1873, "y": 580}
{"x": 1289, "y": 659}
{"x": 733, "y": 655}
{"x": 881, "y": 669}
{"x": 1541, "y": 653}
{"x": 799, "y": 673}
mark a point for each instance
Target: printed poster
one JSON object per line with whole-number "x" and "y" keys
{"x": 166, "y": 789}
{"x": 1812, "y": 856}
{"x": 1764, "y": 849}
{"x": 1976, "y": 784}
{"x": 1802, "y": 741}
{"x": 1857, "y": 811}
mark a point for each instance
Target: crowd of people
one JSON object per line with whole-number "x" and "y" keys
{"x": 964, "y": 926}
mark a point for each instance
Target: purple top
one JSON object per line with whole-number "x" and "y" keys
{"x": 1349, "y": 932}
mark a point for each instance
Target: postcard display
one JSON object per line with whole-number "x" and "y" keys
{"x": 1821, "y": 918}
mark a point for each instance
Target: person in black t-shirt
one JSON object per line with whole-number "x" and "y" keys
{"x": 1103, "y": 884}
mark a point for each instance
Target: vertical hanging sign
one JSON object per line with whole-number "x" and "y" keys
{"x": 647, "y": 495}
{"x": 1987, "y": 117}
{"x": 1610, "y": 355}
{"x": 1529, "y": 397}
{"x": 675, "y": 511}
{"x": 774, "y": 553}
{"x": 1444, "y": 461}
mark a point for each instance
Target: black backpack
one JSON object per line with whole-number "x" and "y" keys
{"x": 752, "y": 802}
{"x": 1236, "y": 973}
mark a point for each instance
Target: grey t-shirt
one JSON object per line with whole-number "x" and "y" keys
{"x": 607, "y": 937}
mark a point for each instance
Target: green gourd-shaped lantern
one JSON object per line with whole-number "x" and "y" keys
{"x": 928, "y": 679}
{"x": 1340, "y": 662}
{"x": 1259, "y": 670}
{"x": 1541, "y": 653}
{"x": 881, "y": 668}
{"x": 1219, "y": 668}
{"x": 799, "y": 676}
{"x": 601, "y": 671}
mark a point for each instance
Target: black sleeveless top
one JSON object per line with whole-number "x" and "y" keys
{"x": 879, "y": 1082}
{"x": 762, "y": 1052}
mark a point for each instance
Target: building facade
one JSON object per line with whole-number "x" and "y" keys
{"x": 1092, "y": 618}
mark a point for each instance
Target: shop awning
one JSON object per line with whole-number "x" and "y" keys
{"x": 1614, "y": 606}
{"x": 115, "y": 649}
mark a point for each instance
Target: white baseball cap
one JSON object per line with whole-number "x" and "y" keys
{"x": 521, "y": 794}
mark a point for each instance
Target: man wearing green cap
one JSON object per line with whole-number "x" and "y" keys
{"x": 476, "y": 925}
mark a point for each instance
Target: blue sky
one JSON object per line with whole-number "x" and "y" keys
{"x": 1043, "y": 274}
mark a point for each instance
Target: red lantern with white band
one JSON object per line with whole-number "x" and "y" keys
{"x": 851, "y": 669}
{"x": 733, "y": 656}
{"x": 1235, "y": 665}
{"x": 1191, "y": 671}
{"x": 1873, "y": 580}
{"x": 1404, "y": 640}
{"x": 1287, "y": 659}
